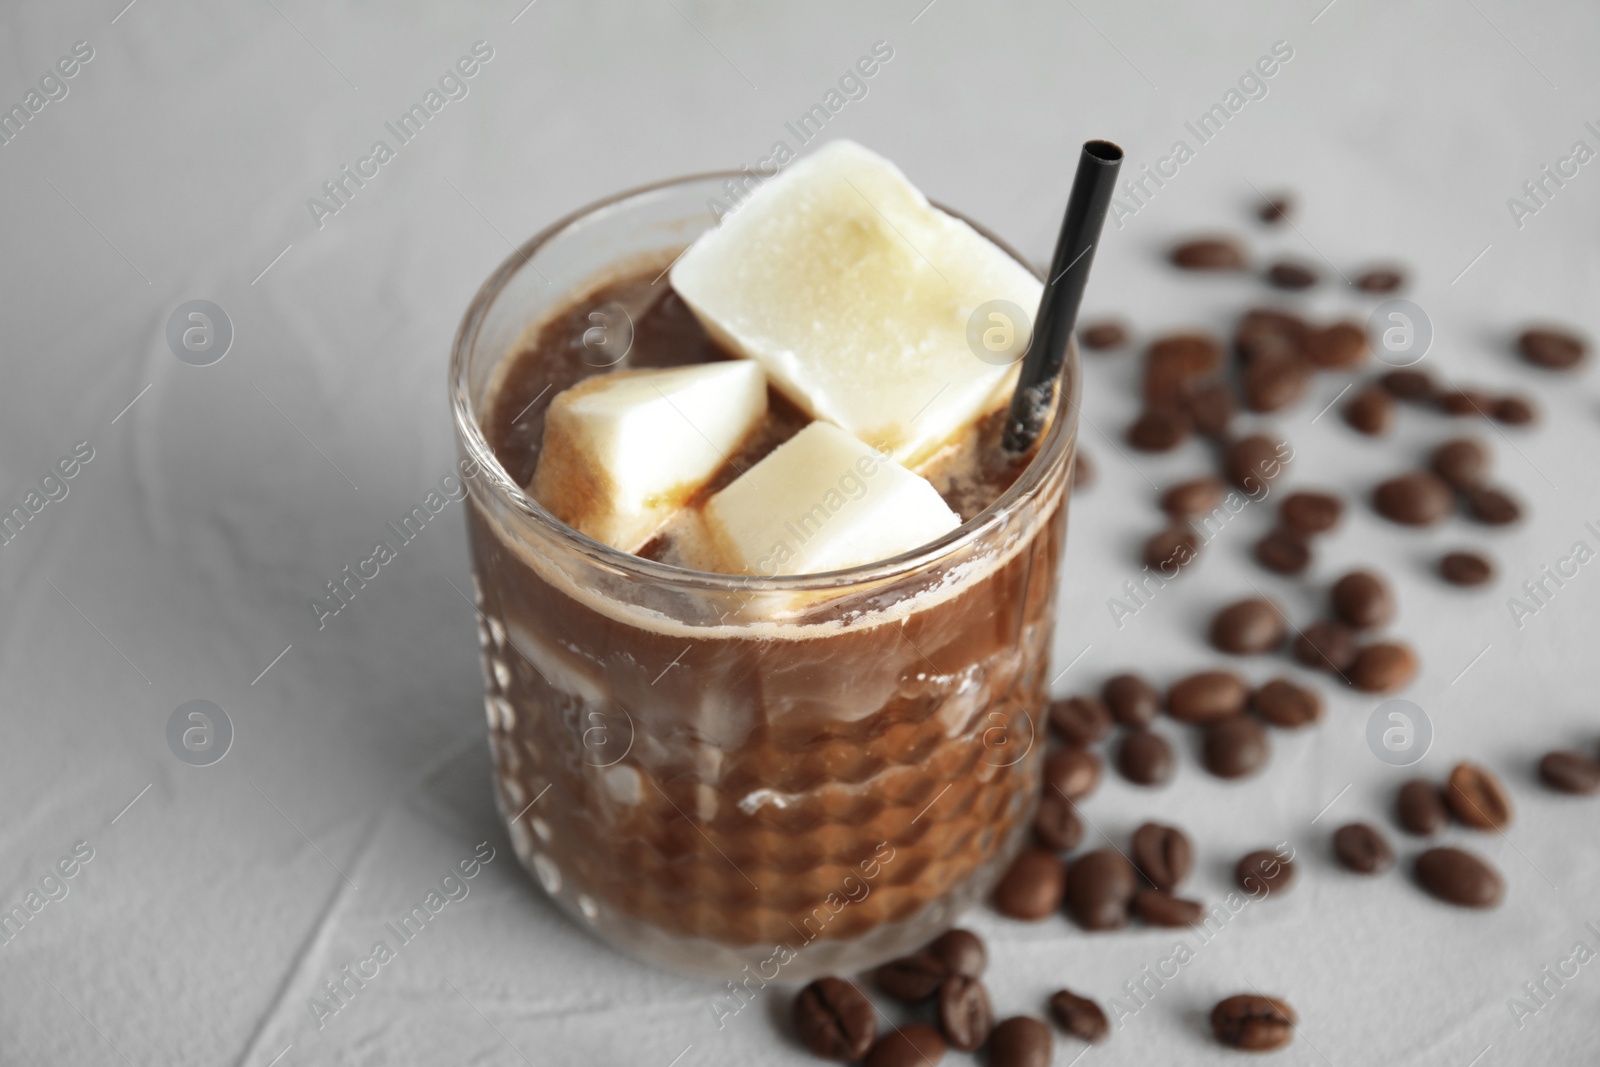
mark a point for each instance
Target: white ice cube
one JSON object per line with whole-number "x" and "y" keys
{"x": 855, "y": 294}
{"x": 823, "y": 501}
{"x": 622, "y": 452}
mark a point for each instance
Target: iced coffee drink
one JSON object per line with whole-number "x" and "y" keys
{"x": 765, "y": 606}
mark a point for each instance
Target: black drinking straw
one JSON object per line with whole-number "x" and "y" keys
{"x": 1063, "y": 292}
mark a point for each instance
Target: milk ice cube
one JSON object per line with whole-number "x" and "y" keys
{"x": 855, "y": 294}
{"x": 822, "y": 501}
{"x": 622, "y": 452}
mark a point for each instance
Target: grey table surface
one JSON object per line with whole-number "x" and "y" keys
{"x": 208, "y": 905}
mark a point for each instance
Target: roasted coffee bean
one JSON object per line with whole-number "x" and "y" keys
{"x": 1080, "y": 720}
{"x": 1253, "y": 1023}
{"x": 1211, "y": 253}
{"x": 1383, "y": 667}
{"x": 1264, "y": 871}
{"x": 1194, "y": 498}
{"x": 962, "y": 951}
{"x": 1236, "y": 746}
{"x": 1275, "y": 209}
{"x": 1268, "y": 331}
{"x": 1380, "y": 280}
{"x": 1370, "y": 411}
{"x": 1172, "y": 549}
{"x": 1309, "y": 513}
{"x": 1272, "y": 383}
{"x": 1461, "y": 461}
{"x": 1477, "y": 798}
{"x": 1283, "y": 703}
{"x": 1249, "y": 627}
{"x": 834, "y": 1020}
{"x": 1146, "y": 758}
{"x": 1032, "y": 887}
{"x": 1131, "y": 700}
{"x": 1020, "y": 1041}
{"x": 1570, "y": 772}
{"x": 1363, "y": 600}
{"x": 1412, "y": 386}
{"x": 911, "y": 1045}
{"x": 1339, "y": 346}
{"x": 1175, "y": 363}
{"x": 1456, "y": 876}
{"x": 1211, "y": 408}
{"x": 1160, "y": 429}
{"x": 1072, "y": 771}
{"x": 1327, "y": 646}
{"x": 1515, "y": 410}
{"x": 1419, "y": 498}
{"x": 1283, "y": 551}
{"x": 1254, "y": 462}
{"x": 1362, "y": 849}
{"x": 1465, "y": 568}
{"x": 1207, "y": 696}
{"x": 1492, "y": 506}
{"x": 1163, "y": 855}
{"x": 1056, "y": 825}
{"x": 1291, "y": 276}
{"x": 1462, "y": 403}
{"x": 1082, "y": 470}
{"x": 1155, "y": 908}
{"x": 1102, "y": 335}
{"x": 1079, "y": 1016}
{"x": 1552, "y": 349}
{"x": 1420, "y": 808}
{"x": 1099, "y": 886}
{"x": 911, "y": 978}
{"x": 964, "y": 1012}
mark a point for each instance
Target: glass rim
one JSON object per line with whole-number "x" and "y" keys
{"x": 1049, "y": 451}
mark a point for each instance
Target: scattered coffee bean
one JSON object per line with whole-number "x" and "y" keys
{"x": 1309, "y": 513}
{"x": 1146, "y": 758}
{"x": 1339, "y": 346}
{"x": 1268, "y": 331}
{"x": 1249, "y": 627}
{"x": 1056, "y": 825}
{"x": 1254, "y": 462}
{"x": 1155, "y": 908}
{"x": 1275, "y": 209}
{"x": 1163, "y": 855}
{"x": 1552, "y": 349}
{"x": 1462, "y": 403}
{"x": 1492, "y": 507}
{"x": 1283, "y": 551}
{"x": 1212, "y": 253}
{"x": 1383, "y": 667}
{"x": 1275, "y": 382}
{"x": 1515, "y": 410}
{"x": 1380, "y": 280}
{"x": 1370, "y": 411}
{"x": 1419, "y": 498}
{"x": 1072, "y": 771}
{"x": 1291, "y": 276}
{"x": 1570, "y": 772}
{"x": 1264, "y": 871}
{"x": 1236, "y": 746}
{"x": 834, "y": 1020}
{"x": 1253, "y": 1023}
{"x": 1020, "y": 1041}
{"x": 1477, "y": 798}
{"x": 1172, "y": 549}
{"x": 1362, "y": 849}
{"x": 911, "y": 1045}
{"x": 962, "y": 951}
{"x": 1327, "y": 646}
{"x": 1465, "y": 568}
{"x": 1456, "y": 876}
{"x": 1412, "y": 386}
{"x": 964, "y": 1012}
{"x": 1079, "y": 1016}
{"x": 1207, "y": 696}
{"x": 1363, "y": 600}
{"x": 912, "y": 978}
{"x": 1211, "y": 408}
{"x": 1032, "y": 887}
{"x": 1421, "y": 808}
{"x": 1194, "y": 498}
{"x": 1103, "y": 334}
{"x": 1160, "y": 429}
{"x": 1131, "y": 700}
{"x": 1175, "y": 363}
{"x": 1082, "y": 470}
{"x": 1461, "y": 461}
{"x": 1099, "y": 886}
{"x": 1285, "y": 704}
{"x": 1080, "y": 720}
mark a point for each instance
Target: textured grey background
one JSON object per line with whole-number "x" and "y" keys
{"x": 182, "y": 560}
